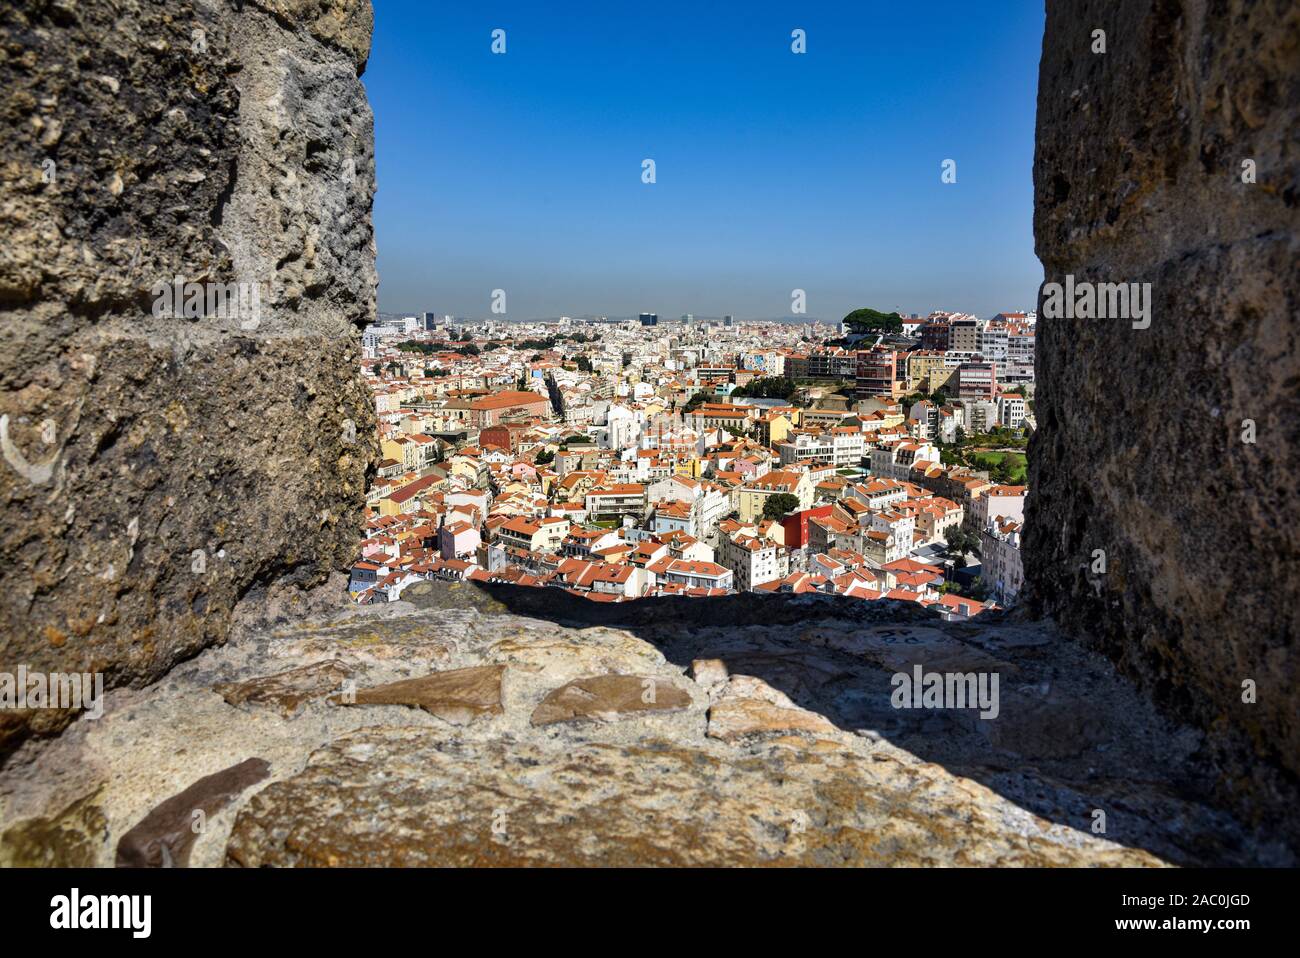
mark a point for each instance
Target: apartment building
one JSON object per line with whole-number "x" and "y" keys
{"x": 881, "y": 548}
{"x": 921, "y": 365}
{"x": 993, "y": 341}
{"x": 1000, "y": 559}
{"x": 693, "y": 575}
{"x": 964, "y": 334}
{"x": 1007, "y": 502}
{"x": 934, "y": 334}
{"x": 755, "y": 493}
{"x": 878, "y": 374}
{"x": 981, "y": 415}
{"x": 488, "y": 410}
{"x": 899, "y": 523}
{"x": 1011, "y": 411}
{"x": 534, "y": 535}
{"x": 894, "y": 459}
{"x": 673, "y": 515}
{"x": 829, "y": 364}
{"x": 877, "y": 493}
{"x": 977, "y": 381}
{"x": 716, "y": 416}
{"x": 753, "y": 560}
{"x": 1020, "y": 345}
{"x": 842, "y": 446}
{"x": 615, "y": 501}
{"x": 458, "y": 540}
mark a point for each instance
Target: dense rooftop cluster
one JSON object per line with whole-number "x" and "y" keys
{"x": 619, "y": 460}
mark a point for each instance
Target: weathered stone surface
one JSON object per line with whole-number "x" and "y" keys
{"x": 562, "y": 657}
{"x": 361, "y": 643}
{"x": 458, "y": 696}
{"x": 735, "y": 718}
{"x": 156, "y": 470}
{"x": 709, "y": 674}
{"x": 343, "y": 23}
{"x": 71, "y": 838}
{"x": 285, "y": 691}
{"x": 163, "y": 838}
{"x": 803, "y": 701}
{"x": 609, "y": 697}
{"x": 1139, "y": 453}
{"x": 1036, "y": 727}
{"x": 901, "y": 647}
{"x": 392, "y": 796}
{"x": 748, "y": 706}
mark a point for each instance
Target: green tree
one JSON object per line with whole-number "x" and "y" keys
{"x": 412, "y": 346}
{"x": 769, "y": 387}
{"x": 867, "y": 320}
{"x": 780, "y": 505}
{"x": 960, "y": 542}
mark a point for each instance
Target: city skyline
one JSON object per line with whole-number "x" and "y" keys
{"x": 665, "y": 318}
{"x": 774, "y": 171}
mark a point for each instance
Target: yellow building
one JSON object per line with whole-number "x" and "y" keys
{"x": 773, "y": 428}
{"x": 401, "y": 449}
{"x": 919, "y": 364}
{"x": 940, "y": 379}
{"x": 467, "y": 467}
{"x": 690, "y": 468}
{"x": 410, "y": 497}
{"x": 756, "y": 492}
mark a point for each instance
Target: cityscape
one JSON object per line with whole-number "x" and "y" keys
{"x": 613, "y": 438}
{"x": 882, "y": 457}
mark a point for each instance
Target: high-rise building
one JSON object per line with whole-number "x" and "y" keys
{"x": 649, "y": 319}
{"x": 430, "y": 321}
{"x": 728, "y": 320}
{"x": 934, "y": 334}
{"x": 964, "y": 334}
{"x": 977, "y": 381}
{"x": 877, "y": 374}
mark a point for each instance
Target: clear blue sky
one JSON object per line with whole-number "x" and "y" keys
{"x": 819, "y": 171}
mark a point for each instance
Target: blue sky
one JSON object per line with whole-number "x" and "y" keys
{"x": 775, "y": 171}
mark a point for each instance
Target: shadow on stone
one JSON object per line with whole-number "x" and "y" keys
{"x": 1072, "y": 742}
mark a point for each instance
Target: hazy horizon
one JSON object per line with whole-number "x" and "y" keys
{"x": 774, "y": 170}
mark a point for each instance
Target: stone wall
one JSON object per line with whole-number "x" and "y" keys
{"x": 507, "y": 725}
{"x": 1140, "y": 452}
{"x": 159, "y": 469}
